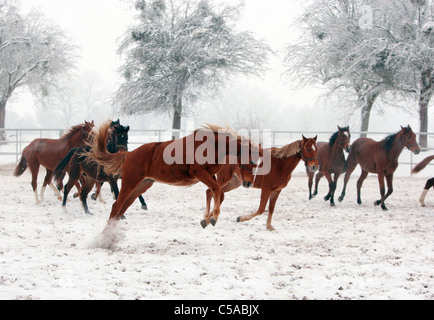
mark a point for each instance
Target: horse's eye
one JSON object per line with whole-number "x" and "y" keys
{"x": 308, "y": 150}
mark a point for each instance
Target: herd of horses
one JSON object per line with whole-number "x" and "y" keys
{"x": 91, "y": 156}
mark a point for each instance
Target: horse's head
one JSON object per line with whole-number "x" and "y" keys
{"x": 86, "y": 128}
{"x": 249, "y": 160}
{"x": 344, "y": 138}
{"x": 117, "y": 137}
{"x": 408, "y": 139}
{"x": 308, "y": 152}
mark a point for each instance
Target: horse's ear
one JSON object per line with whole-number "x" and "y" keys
{"x": 304, "y": 138}
{"x": 339, "y": 128}
{"x": 127, "y": 128}
{"x": 316, "y": 137}
{"x": 409, "y": 127}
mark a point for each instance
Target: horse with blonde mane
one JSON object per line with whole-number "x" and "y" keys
{"x": 181, "y": 162}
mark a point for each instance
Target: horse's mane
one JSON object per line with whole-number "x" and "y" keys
{"x": 219, "y": 129}
{"x": 73, "y": 130}
{"x": 387, "y": 143}
{"x": 286, "y": 151}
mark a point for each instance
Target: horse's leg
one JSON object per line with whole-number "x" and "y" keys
{"x": 142, "y": 201}
{"x": 87, "y": 187}
{"x": 428, "y": 185}
{"x": 389, "y": 179}
{"x": 34, "y": 169}
{"x": 211, "y": 182}
{"x": 352, "y": 164}
{"x": 362, "y": 178}
{"x": 140, "y": 188}
{"x": 49, "y": 181}
{"x": 382, "y": 191}
{"x": 319, "y": 175}
{"x": 330, "y": 181}
{"x": 335, "y": 184}
{"x": 310, "y": 175}
{"x": 265, "y": 195}
{"x": 271, "y": 206}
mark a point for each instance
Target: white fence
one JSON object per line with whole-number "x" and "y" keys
{"x": 18, "y": 139}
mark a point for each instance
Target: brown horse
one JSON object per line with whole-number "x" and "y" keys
{"x": 380, "y": 158}
{"x": 76, "y": 165}
{"x": 283, "y": 162}
{"x": 180, "y": 162}
{"x": 331, "y": 162}
{"x": 429, "y": 183}
{"x": 49, "y": 152}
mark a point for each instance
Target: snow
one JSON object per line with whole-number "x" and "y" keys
{"x": 316, "y": 252}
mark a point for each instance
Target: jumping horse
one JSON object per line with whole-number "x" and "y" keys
{"x": 283, "y": 162}
{"x": 332, "y": 161}
{"x": 180, "y": 162}
{"x": 381, "y": 158}
{"x": 429, "y": 183}
{"x": 48, "y": 153}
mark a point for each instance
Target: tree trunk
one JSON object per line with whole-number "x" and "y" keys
{"x": 424, "y": 99}
{"x": 177, "y": 113}
{"x": 366, "y": 113}
{"x": 2, "y": 119}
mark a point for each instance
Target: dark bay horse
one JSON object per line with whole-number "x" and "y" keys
{"x": 381, "y": 158}
{"x": 181, "y": 162}
{"x": 283, "y": 162}
{"x": 429, "y": 183}
{"x": 332, "y": 161}
{"x": 49, "y": 152}
{"x": 77, "y": 165}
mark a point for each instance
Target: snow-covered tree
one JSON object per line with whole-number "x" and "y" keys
{"x": 33, "y": 53}
{"x": 178, "y": 50}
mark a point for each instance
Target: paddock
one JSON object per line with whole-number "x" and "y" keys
{"x": 316, "y": 252}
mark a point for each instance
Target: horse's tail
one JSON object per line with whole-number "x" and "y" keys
{"x": 421, "y": 165}
{"x": 59, "y": 172}
{"x": 21, "y": 167}
{"x": 111, "y": 162}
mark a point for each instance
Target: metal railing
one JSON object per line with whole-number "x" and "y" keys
{"x": 18, "y": 139}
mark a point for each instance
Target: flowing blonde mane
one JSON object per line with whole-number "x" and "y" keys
{"x": 286, "y": 151}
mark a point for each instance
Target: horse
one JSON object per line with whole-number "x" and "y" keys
{"x": 48, "y": 153}
{"x": 179, "y": 162}
{"x": 381, "y": 158}
{"x": 332, "y": 161}
{"x": 76, "y": 165}
{"x": 429, "y": 183}
{"x": 283, "y": 162}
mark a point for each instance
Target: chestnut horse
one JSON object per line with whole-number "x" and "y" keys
{"x": 49, "y": 152}
{"x": 283, "y": 162}
{"x": 76, "y": 165}
{"x": 380, "y": 158}
{"x": 180, "y": 162}
{"x": 429, "y": 183}
{"x": 332, "y": 161}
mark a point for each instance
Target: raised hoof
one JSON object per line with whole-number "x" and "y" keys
{"x": 203, "y": 224}
{"x": 145, "y": 207}
{"x": 239, "y": 219}
{"x": 377, "y": 203}
{"x": 123, "y": 217}
{"x": 213, "y": 221}
{"x": 326, "y": 198}
{"x": 93, "y": 197}
{"x": 340, "y": 199}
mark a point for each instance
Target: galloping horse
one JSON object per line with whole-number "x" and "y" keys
{"x": 283, "y": 162}
{"x": 49, "y": 152}
{"x": 76, "y": 165}
{"x": 429, "y": 183}
{"x": 380, "y": 158}
{"x": 331, "y": 161}
{"x": 180, "y": 162}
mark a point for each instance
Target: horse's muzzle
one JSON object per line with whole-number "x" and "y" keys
{"x": 247, "y": 184}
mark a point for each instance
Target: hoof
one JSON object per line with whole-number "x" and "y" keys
{"x": 239, "y": 219}
{"x": 203, "y": 224}
{"x": 213, "y": 221}
{"x": 93, "y": 197}
{"x": 377, "y": 203}
{"x": 89, "y": 213}
{"x": 123, "y": 217}
{"x": 326, "y": 198}
{"x": 145, "y": 207}
{"x": 340, "y": 199}
{"x": 332, "y": 204}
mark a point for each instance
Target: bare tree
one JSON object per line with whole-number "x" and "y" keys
{"x": 180, "y": 49}
{"x": 32, "y": 53}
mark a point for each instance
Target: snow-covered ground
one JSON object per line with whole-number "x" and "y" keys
{"x": 316, "y": 252}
